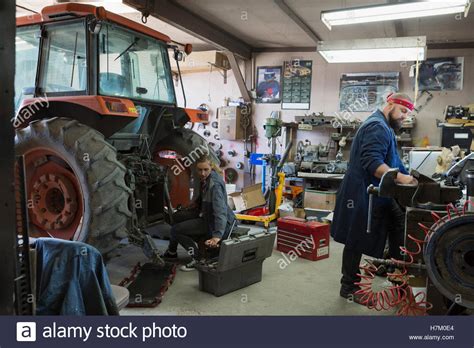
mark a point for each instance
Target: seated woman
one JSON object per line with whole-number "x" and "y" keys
{"x": 209, "y": 216}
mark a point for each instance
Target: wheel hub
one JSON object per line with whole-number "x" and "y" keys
{"x": 54, "y": 201}
{"x": 449, "y": 258}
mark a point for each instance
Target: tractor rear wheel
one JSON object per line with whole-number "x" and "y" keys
{"x": 185, "y": 146}
{"x": 75, "y": 186}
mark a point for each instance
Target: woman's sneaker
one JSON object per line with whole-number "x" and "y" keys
{"x": 169, "y": 255}
{"x": 189, "y": 267}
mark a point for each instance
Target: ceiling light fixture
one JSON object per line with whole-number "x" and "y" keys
{"x": 398, "y": 49}
{"x": 388, "y": 12}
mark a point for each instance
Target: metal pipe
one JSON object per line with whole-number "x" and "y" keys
{"x": 371, "y": 190}
{"x": 285, "y": 155}
{"x": 369, "y": 215}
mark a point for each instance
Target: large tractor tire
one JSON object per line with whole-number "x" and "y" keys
{"x": 184, "y": 143}
{"x": 75, "y": 186}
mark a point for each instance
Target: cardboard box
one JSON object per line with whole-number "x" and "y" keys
{"x": 296, "y": 212}
{"x": 299, "y": 213}
{"x": 201, "y": 62}
{"x": 230, "y": 188}
{"x": 324, "y": 200}
{"x": 250, "y": 197}
{"x": 205, "y": 58}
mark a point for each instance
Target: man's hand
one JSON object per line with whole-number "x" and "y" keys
{"x": 406, "y": 179}
{"x": 213, "y": 242}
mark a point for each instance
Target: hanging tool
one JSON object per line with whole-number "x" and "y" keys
{"x": 428, "y": 99}
{"x": 230, "y": 175}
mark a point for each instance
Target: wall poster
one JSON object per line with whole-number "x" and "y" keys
{"x": 439, "y": 74}
{"x": 297, "y": 76}
{"x": 269, "y": 84}
{"x": 366, "y": 91}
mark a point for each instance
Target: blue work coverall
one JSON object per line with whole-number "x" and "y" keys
{"x": 373, "y": 145}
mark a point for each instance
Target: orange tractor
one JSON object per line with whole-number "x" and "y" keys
{"x": 98, "y": 126}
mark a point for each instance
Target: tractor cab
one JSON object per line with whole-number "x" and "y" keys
{"x": 75, "y": 50}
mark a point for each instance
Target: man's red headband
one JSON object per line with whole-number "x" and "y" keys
{"x": 399, "y": 101}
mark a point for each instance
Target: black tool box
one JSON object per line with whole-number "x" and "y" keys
{"x": 239, "y": 263}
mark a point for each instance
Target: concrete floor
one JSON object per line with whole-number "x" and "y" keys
{"x": 303, "y": 288}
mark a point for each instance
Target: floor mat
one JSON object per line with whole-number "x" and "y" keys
{"x": 148, "y": 283}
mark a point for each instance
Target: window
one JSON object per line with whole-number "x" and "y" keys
{"x": 26, "y": 61}
{"x": 133, "y": 66}
{"x": 65, "y": 63}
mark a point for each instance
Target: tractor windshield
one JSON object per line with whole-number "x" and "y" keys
{"x": 133, "y": 66}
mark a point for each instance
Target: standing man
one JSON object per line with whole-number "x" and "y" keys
{"x": 209, "y": 216}
{"x": 373, "y": 153}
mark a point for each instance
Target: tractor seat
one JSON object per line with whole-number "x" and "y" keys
{"x": 112, "y": 84}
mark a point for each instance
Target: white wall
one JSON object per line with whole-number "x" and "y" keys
{"x": 209, "y": 88}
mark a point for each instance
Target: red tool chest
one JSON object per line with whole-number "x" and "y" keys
{"x": 307, "y": 239}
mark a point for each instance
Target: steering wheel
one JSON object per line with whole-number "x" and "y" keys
{"x": 112, "y": 83}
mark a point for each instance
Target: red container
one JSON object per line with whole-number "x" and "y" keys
{"x": 306, "y": 239}
{"x": 258, "y": 211}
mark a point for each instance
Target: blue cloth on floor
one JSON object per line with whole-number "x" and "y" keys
{"x": 72, "y": 280}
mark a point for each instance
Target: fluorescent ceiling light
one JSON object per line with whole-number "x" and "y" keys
{"x": 374, "y": 50}
{"x": 388, "y": 12}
